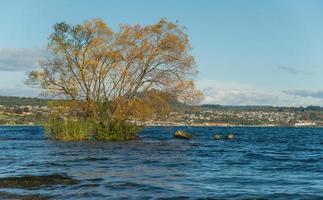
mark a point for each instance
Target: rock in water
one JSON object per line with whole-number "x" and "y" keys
{"x": 217, "y": 137}
{"x": 229, "y": 137}
{"x": 133, "y": 137}
{"x": 183, "y": 135}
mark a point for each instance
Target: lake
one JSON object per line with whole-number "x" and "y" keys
{"x": 261, "y": 163}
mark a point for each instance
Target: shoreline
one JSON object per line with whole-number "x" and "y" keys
{"x": 4, "y": 125}
{"x": 189, "y": 125}
{"x": 241, "y": 126}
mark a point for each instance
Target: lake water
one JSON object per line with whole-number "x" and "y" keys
{"x": 261, "y": 163}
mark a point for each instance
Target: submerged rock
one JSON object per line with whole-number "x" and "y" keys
{"x": 133, "y": 137}
{"x": 229, "y": 137}
{"x": 36, "y": 181}
{"x": 217, "y": 137}
{"x": 183, "y": 135}
{"x": 6, "y": 195}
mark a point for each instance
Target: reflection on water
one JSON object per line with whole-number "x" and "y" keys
{"x": 267, "y": 163}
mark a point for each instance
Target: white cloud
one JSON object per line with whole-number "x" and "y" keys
{"x": 306, "y": 93}
{"x": 232, "y": 93}
{"x": 20, "y": 59}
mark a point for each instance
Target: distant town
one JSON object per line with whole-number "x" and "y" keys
{"x": 34, "y": 111}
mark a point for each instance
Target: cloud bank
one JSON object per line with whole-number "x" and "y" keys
{"x": 305, "y": 93}
{"x": 20, "y": 59}
{"x": 224, "y": 93}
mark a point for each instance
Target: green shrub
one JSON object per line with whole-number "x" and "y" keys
{"x": 117, "y": 131}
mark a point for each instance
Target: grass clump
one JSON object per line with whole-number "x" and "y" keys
{"x": 71, "y": 129}
{"x": 68, "y": 129}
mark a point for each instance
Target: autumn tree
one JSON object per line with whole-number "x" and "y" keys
{"x": 117, "y": 77}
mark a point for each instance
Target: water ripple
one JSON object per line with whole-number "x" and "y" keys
{"x": 261, "y": 163}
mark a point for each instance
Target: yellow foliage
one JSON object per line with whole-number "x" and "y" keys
{"x": 130, "y": 74}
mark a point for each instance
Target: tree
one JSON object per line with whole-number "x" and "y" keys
{"x": 108, "y": 76}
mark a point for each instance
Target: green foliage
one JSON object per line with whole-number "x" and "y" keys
{"x": 118, "y": 131}
{"x": 81, "y": 129}
{"x": 68, "y": 129}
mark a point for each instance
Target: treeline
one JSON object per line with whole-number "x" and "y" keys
{"x": 22, "y": 101}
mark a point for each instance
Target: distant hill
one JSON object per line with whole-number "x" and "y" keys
{"x": 22, "y": 101}
{"x": 174, "y": 104}
{"x": 29, "y": 101}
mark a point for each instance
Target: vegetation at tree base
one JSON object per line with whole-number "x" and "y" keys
{"x": 109, "y": 81}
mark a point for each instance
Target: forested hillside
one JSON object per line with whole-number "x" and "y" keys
{"x": 22, "y": 101}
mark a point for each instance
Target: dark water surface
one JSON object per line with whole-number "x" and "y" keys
{"x": 261, "y": 163}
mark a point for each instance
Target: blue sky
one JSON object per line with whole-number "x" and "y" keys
{"x": 248, "y": 52}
